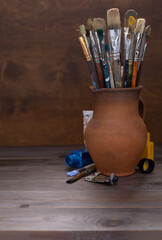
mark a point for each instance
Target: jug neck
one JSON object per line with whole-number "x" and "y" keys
{"x": 117, "y": 102}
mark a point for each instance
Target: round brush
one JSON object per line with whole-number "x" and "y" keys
{"x": 114, "y": 27}
{"x": 139, "y": 33}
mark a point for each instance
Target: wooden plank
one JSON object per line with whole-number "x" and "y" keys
{"x": 80, "y": 235}
{"x": 92, "y": 198}
{"x": 81, "y": 219}
{"x": 36, "y": 202}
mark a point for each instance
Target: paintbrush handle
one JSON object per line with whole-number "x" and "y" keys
{"x": 87, "y": 44}
{"x": 134, "y": 74}
{"x": 82, "y": 174}
{"x": 126, "y": 73}
{"x": 92, "y": 69}
{"x": 100, "y": 74}
{"x": 129, "y": 73}
{"x": 110, "y": 71}
{"x": 106, "y": 74}
{"x": 139, "y": 73}
{"x": 93, "y": 74}
{"x": 117, "y": 73}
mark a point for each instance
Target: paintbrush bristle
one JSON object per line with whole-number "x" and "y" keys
{"x": 89, "y": 24}
{"x": 113, "y": 18}
{"x": 99, "y": 23}
{"x": 82, "y": 29}
{"x": 100, "y": 33}
{"x": 140, "y": 25}
{"x": 130, "y": 19}
{"x": 147, "y": 30}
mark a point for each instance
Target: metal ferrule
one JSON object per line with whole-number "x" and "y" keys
{"x": 84, "y": 47}
{"x": 98, "y": 43}
{"x": 127, "y": 42}
{"x": 144, "y": 51}
{"x": 109, "y": 43}
{"x": 94, "y": 48}
{"x": 103, "y": 48}
{"x": 115, "y": 38}
{"x": 131, "y": 50}
{"x": 137, "y": 48}
{"x": 87, "y": 44}
{"x": 142, "y": 48}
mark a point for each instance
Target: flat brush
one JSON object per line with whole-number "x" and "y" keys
{"x": 99, "y": 23}
{"x": 92, "y": 70}
{"x": 144, "y": 43}
{"x": 96, "y": 60}
{"x": 99, "y": 26}
{"x": 109, "y": 64}
{"x": 83, "y": 32}
{"x": 113, "y": 21}
{"x": 82, "y": 174}
{"x": 95, "y": 52}
{"x": 139, "y": 33}
{"x": 130, "y": 19}
{"x": 103, "y": 59}
{"x": 90, "y": 28}
{"x": 77, "y": 171}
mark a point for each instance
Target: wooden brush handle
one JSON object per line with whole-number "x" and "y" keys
{"x": 106, "y": 75}
{"x": 134, "y": 74}
{"x": 126, "y": 74}
{"x": 139, "y": 73}
{"x": 100, "y": 74}
{"x": 110, "y": 71}
{"x": 129, "y": 80}
{"x": 117, "y": 73}
{"x": 93, "y": 74}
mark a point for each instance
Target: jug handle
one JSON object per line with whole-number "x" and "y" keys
{"x": 141, "y": 108}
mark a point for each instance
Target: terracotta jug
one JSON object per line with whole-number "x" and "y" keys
{"x": 116, "y": 135}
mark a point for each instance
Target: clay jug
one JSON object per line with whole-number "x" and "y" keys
{"x": 116, "y": 135}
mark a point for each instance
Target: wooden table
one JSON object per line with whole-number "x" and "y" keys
{"x": 36, "y": 203}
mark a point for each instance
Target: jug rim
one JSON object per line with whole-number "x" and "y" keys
{"x": 116, "y": 89}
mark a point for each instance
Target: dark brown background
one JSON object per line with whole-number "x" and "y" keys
{"x": 44, "y": 79}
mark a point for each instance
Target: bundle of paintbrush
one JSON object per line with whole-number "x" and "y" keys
{"x": 135, "y": 41}
{"x": 104, "y": 59}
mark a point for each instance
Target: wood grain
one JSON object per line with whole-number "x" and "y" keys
{"x": 44, "y": 77}
{"x": 80, "y": 235}
{"x": 36, "y": 202}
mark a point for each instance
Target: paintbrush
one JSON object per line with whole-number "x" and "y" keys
{"x": 99, "y": 23}
{"x": 83, "y": 32}
{"x": 96, "y": 60}
{"x": 82, "y": 174}
{"x": 109, "y": 64}
{"x": 77, "y": 171}
{"x": 144, "y": 43}
{"x": 92, "y": 69}
{"x": 90, "y": 28}
{"x": 130, "y": 19}
{"x": 140, "y": 25}
{"x": 103, "y": 58}
{"x": 95, "y": 52}
{"x": 113, "y": 22}
{"x": 95, "y": 27}
{"x": 99, "y": 27}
